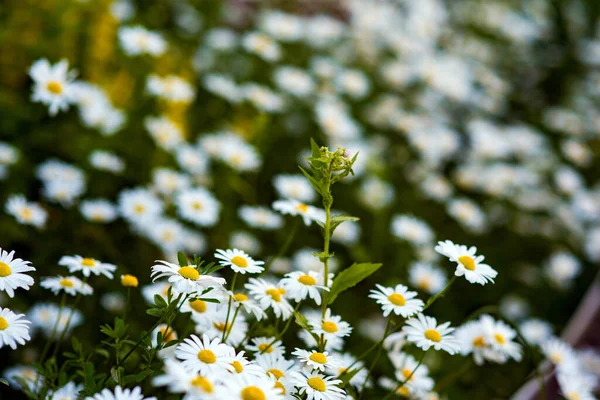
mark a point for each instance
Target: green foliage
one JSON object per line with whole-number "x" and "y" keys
{"x": 351, "y": 277}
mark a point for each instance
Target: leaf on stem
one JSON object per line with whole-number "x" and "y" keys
{"x": 350, "y": 277}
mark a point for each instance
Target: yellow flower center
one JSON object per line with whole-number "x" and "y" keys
{"x": 253, "y": 393}
{"x": 202, "y": 383}
{"x": 189, "y": 273}
{"x": 556, "y": 357}
{"x": 433, "y": 335}
{"x": 66, "y": 282}
{"x": 406, "y": 373}
{"x": 317, "y": 383}
{"x": 318, "y": 358}
{"x": 397, "y": 299}
{"x": 424, "y": 284}
{"x": 479, "y": 342}
{"x": 263, "y": 348}
{"x": 499, "y": 338}
{"x": 329, "y": 327}
{"x": 139, "y": 208}
{"x": 129, "y": 281}
{"x": 207, "y": 356}
{"x": 573, "y": 396}
{"x": 275, "y": 294}
{"x": 167, "y": 336}
{"x": 237, "y": 366}
{"x": 198, "y": 305}
{"x": 239, "y": 261}
{"x": 467, "y": 262}
{"x": 279, "y": 385}
{"x": 4, "y": 270}
{"x": 403, "y": 391}
{"x": 302, "y": 207}
{"x": 3, "y": 323}
{"x": 307, "y": 280}
{"x": 26, "y": 213}
{"x": 88, "y": 262}
{"x": 282, "y": 290}
{"x": 54, "y": 87}
{"x": 197, "y": 206}
{"x": 220, "y": 326}
{"x": 277, "y": 373}
{"x": 240, "y": 297}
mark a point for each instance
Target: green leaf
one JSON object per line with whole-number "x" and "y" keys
{"x": 182, "y": 259}
{"x": 318, "y": 186}
{"x": 4, "y": 381}
{"x": 349, "y": 278}
{"x": 160, "y": 301}
{"x": 339, "y": 219}
{"x": 210, "y": 300}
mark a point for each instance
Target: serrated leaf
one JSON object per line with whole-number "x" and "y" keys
{"x": 350, "y": 277}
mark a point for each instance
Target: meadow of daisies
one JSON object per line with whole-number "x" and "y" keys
{"x": 297, "y": 200}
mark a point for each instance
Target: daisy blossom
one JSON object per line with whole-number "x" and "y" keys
{"x": 12, "y": 273}
{"x": 185, "y": 279}
{"x": 239, "y": 261}
{"x": 397, "y": 300}
{"x": 468, "y": 264}
{"x": 204, "y": 356}
{"x": 87, "y": 266}
{"x": 14, "y": 328}
{"x": 425, "y": 333}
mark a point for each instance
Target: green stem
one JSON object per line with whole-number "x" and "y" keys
{"x": 229, "y": 305}
{"x": 380, "y": 347}
{"x": 230, "y": 327}
{"x": 390, "y": 394}
{"x": 145, "y": 335}
{"x": 285, "y": 246}
{"x": 63, "y": 300}
{"x": 285, "y": 328}
{"x": 440, "y": 294}
{"x": 64, "y": 331}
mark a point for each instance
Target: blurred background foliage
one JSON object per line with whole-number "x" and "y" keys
{"x": 85, "y": 33}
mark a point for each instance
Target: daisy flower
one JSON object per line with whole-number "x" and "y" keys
{"x": 346, "y": 360}
{"x": 275, "y": 364}
{"x": 249, "y": 305}
{"x": 12, "y": 274}
{"x": 269, "y": 295}
{"x": 178, "y": 379}
{"x": 426, "y": 277}
{"x": 199, "y": 206}
{"x": 25, "y": 212}
{"x": 240, "y": 365}
{"x": 204, "y": 356}
{"x": 262, "y": 345}
{"x": 44, "y": 316}
{"x": 261, "y": 45}
{"x": 242, "y": 387}
{"x": 70, "y": 391}
{"x": 536, "y": 331}
{"x": 425, "y": 333}
{"x": 137, "y": 40}
{"x": 239, "y": 261}
{"x": 69, "y": 284}
{"x": 397, "y": 300}
{"x": 98, "y": 211}
{"x": 468, "y": 264}
{"x": 294, "y": 207}
{"x": 139, "y": 205}
{"x": 559, "y": 352}
{"x": 412, "y": 229}
{"x": 87, "y": 266}
{"x": 407, "y": 366}
{"x": 53, "y": 85}
{"x": 300, "y": 285}
{"x": 330, "y": 326}
{"x": 185, "y": 279}
{"x": 317, "y": 360}
{"x": 317, "y": 386}
{"x": 13, "y": 328}
{"x": 260, "y": 218}
{"x": 501, "y": 338}
{"x": 236, "y": 332}
{"x": 120, "y": 394}
{"x": 294, "y": 187}
{"x": 203, "y": 312}
{"x": 28, "y": 376}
